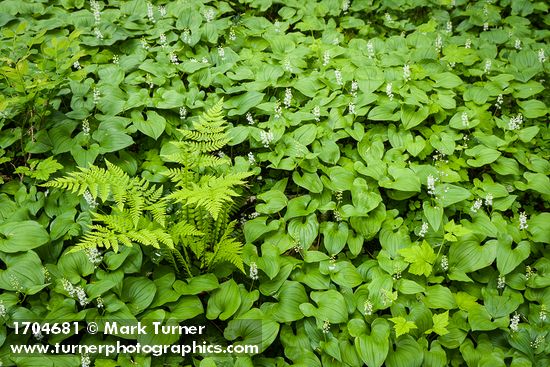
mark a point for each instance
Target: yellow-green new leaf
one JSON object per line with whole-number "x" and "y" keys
{"x": 420, "y": 257}
{"x": 440, "y": 324}
{"x": 402, "y": 326}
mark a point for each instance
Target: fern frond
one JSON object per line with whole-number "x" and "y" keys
{"x": 229, "y": 251}
{"x": 212, "y": 194}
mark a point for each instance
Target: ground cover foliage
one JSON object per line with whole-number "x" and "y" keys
{"x": 376, "y": 173}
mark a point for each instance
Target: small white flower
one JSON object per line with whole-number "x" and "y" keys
{"x": 94, "y": 256}
{"x": 501, "y": 282}
{"x": 326, "y": 58}
{"x": 370, "y": 49}
{"x": 266, "y": 137}
{"x": 476, "y": 206}
{"x": 316, "y": 113}
{"x": 94, "y": 5}
{"x": 528, "y": 272}
{"x": 144, "y": 43}
{"x": 253, "y": 271}
{"x": 116, "y": 59}
{"x": 100, "y": 303}
{"x": 288, "y": 98}
{"x": 150, "y": 13}
{"x": 277, "y": 26}
{"x": 98, "y": 33}
{"x": 388, "y": 18}
{"x": 204, "y": 60}
{"x": 253, "y": 215}
{"x": 431, "y": 184}
{"x": 287, "y": 66}
{"x": 186, "y": 36}
{"x": 541, "y": 55}
{"x": 278, "y": 109}
{"x": 485, "y": 26}
{"x": 85, "y": 127}
{"x": 96, "y": 95}
{"x": 209, "y": 15}
{"x": 90, "y": 199}
{"x": 424, "y": 229}
{"x": 406, "y": 72}
{"x": 232, "y": 35}
{"x": 162, "y": 40}
{"x": 537, "y": 342}
{"x": 389, "y": 91}
{"x": 465, "y": 120}
{"x": 488, "y": 64}
{"x": 468, "y": 43}
{"x": 326, "y": 327}
{"x": 523, "y": 221}
{"x": 500, "y": 101}
{"x": 514, "y": 322}
{"x": 517, "y": 44}
{"x": 68, "y": 287}
{"x": 354, "y": 87}
{"x": 489, "y": 200}
{"x": 76, "y": 65}
{"x": 162, "y": 10}
{"x": 438, "y": 44}
{"x": 15, "y": 284}
{"x": 250, "y": 119}
{"x": 85, "y": 360}
{"x": 251, "y": 158}
{"x": 174, "y": 58}
{"x": 221, "y": 52}
{"x": 38, "y": 335}
{"x": 345, "y": 6}
{"x": 81, "y": 295}
{"x": 449, "y": 27}
{"x": 367, "y": 306}
{"x": 444, "y": 263}
{"x": 183, "y": 113}
{"x": 542, "y": 313}
{"x": 351, "y": 108}
{"x": 3, "y": 311}
{"x": 338, "y": 76}
{"x": 515, "y": 122}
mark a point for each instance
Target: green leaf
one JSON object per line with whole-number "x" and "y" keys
{"x": 224, "y": 302}
{"x": 309, "y": 181}
{"x": 290, "y": 296}
{"x": 420, "y": 257}
{"x": 239, "y": 105}
{"x": 412, "y": 117}
{"x": 452, "y": 194}
{"x": 533, "y": 108}
{"x": 331, "y": 307}
{"x": 402, "y": 326}
{"x": 482, "y": 155}
{"x": 154, "y": 125}
{"x": 335, "y": 236}
{"x": 304, "y": 229}
{"x": 446, "y": 80}
{"x": 433, "y": 214}
{"x": 374, "y": 348}
{"x": 441, "y": 321}
{"x": 254, "y": 328}
{"x": 275, "y": 201}
{"x": 138, "y": 293}
{"x": 438, "y": 296}
{"x": 22, "y": 236}
{"x": 507, "y": 258}
{"x": 408, "y": 353}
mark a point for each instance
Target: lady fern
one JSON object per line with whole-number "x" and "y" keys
{"x": 201, "y": 196}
